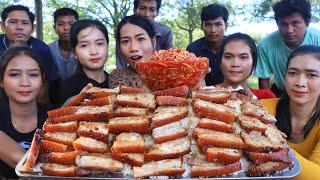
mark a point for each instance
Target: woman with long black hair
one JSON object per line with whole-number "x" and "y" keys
{"x": 298, "y": 111}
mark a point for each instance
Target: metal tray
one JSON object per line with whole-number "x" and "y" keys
{"x": 285, "y": 174}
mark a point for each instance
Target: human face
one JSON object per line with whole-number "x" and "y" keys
{"x": 147, "y": 9}
{"x": 214, "y": 29}
{"x": 135, "y": 44}
{"x": 22, "y": 80}
{"x": 63, "y": 26}
{"x": 236, "y": 63}
{"x": 292, "y": 29}
{"x": 92, "y": 49}
{"x": 303, "y": 79}
{"x": 17, "y": 26}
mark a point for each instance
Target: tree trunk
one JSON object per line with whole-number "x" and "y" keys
{"x": 190, "y": 36}
{"x": 39, "y": 19}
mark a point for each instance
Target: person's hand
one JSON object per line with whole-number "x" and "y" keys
{"x": 88, "y": 86}
{"x": 75, "y": 100}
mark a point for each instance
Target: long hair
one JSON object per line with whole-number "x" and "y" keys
{"x": 239, "y": 37}
{"x": 81, "y": 25}
{"x": 11, "y": 53}
{"x": 139, "y": 21}
{"x": 283, "y": 114}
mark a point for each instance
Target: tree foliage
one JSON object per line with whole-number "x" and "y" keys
{"x": 263, "y": 10}
{"x": 39, "y": 19}
{"x": 110, "y": 12}
{"x": 187, "y": 21}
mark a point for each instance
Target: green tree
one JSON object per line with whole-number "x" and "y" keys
{"x": 109, "y": 12}
{"x": 189, "y": 15}
{"x": 51, "y": 6}
{"x": 4, "y": 4}
{"x": 39, "y": 18}
{"x": 263, "y": 10}
{"x": 186, "y": 24}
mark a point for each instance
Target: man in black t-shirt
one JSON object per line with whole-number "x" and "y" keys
{"x": 214, "y": 23}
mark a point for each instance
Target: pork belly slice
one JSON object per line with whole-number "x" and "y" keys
{"x": 96, "y": 92}
{"x": 169, "y": 132}
{"x": 259, "y": 112}
{"x": 214, "y": 111}
{"x": 169, "y": 150}
{"x": 165, "y": 115}
{"x": 251, "y": 124}
{"x": 167, "y": 167}
{"x": 130, "y": 111}
{"x": 171, "y": 101}
{"x": 98, "y": 162}
{"x": 201, "y": 168}
{"x": 198, "y": 131}
{"x": 50, "y": 146}
{"x": 277, "y": 156}
{"x": 75, "y": 100}
{"x": 127, "y": 89}
{"x": 66, "y": 158}
{"x": 223, "y": 155}
{"x": 90, "y": 145}
{"x": 143, "y": 100}
{"x": 211, "y": 96}
{"x": 216, "y": 125}
{"x": 95, "y": 130}
{"x": 129, "y": 143}
{"x": 61, "y": 137}
{"x": 268, "y": 168}
{"x": 83, "y": 113}
{"x": 256, "y": 142}
{"x": 181, "y": 91}
{"x": 220, "y": 139}
{"x": 99, "y": 101}
{"x": 138, "y": 124}
{"x": 54, "y": 169}
{"x": 134, "y": 159}
{"x": 63, "y": 111}
{"x": 71, "y": 126}
{"x": 34, "y": 151}
{"x": 275, "y": 135}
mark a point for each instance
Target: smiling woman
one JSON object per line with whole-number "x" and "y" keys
{"x": 298, "y": 111}
{"x": 21, "y": 77}
{"x": 90, "y": 42}
{"x": 237, "y": 58}
{"x": 136, "y": 39}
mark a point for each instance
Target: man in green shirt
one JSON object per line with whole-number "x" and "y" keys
{"x": 293, "y": 18}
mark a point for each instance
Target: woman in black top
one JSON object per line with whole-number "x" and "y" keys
{"x": 22, "y": 77}
{"x": 89, "y": 40}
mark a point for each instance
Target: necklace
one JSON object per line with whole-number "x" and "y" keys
{"x": 298, "y": 132}
{"x": 23, "y": 128}
{"x": 14, "y": 124}
{"x": 304, "y": 125}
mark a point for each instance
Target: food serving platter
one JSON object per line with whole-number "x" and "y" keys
{"x": 285, "y": 174}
